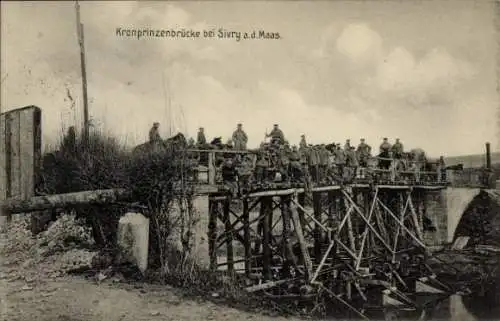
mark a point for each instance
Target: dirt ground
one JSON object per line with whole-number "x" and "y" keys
{"x": 76, "y": 299}
{"x": 32, "y": 291}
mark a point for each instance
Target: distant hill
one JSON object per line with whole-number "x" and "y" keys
{"x": 478, "y": 160}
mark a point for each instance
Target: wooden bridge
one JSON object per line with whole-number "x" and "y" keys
{"x": 356, "y": 240}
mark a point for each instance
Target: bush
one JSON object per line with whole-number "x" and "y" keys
{"x": 154, "y": 176}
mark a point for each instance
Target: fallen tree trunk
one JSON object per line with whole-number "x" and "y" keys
{"x": 40, "y": 203}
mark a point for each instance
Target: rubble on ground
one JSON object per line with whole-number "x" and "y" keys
{"x": 62, "y": 248}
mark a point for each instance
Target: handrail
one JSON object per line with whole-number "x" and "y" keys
{"x": 222, "y": 151}
{"x": 213, "y": 172}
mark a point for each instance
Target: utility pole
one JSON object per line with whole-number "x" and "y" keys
{"x": 79, "y": 28}
{"x": 1, "y": 83}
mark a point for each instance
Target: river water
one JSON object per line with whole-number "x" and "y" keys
{"x": 458, "y": 308}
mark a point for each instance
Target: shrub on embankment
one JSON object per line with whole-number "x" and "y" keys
{"x": 104, "y": 163}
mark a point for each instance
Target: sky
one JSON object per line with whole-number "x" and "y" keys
{"x": 421, "y": 71}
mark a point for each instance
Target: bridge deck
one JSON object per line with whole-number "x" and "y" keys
{"x": 286, "y": 188}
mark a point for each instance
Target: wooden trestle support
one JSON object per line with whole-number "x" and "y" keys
{"x": 359, "y": 244}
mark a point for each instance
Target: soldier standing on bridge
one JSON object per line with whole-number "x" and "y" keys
{"x": 284, "y": 160}
{"x": 352, "y": 161}
{"x": 385, "y": 149}
{"x": 229, "y": 175}
{"x": 244, "y": 174}
{"x": 340, "y": 160}
{"x": 262, "y": 167}
{"x": 240, "y": 138}
{"x": 397, "y": 149}
{"x": 313, "y": 159}
{"x": 347, "y": 146}
{"x": 277, "y": 136}
{"x": 154, "y": 135}
{"x": 364, "y": 152}
{"x": 295, "y": 166}
{"x": 201, "y": 140}
{"x": 324, "y": 161}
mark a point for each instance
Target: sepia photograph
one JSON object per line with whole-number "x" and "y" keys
{"x": 250, "y": 160}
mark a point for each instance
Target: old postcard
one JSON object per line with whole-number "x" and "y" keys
{"x": 225, "y": 160}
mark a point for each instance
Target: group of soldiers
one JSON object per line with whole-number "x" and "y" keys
{"x": 277, "y": 160}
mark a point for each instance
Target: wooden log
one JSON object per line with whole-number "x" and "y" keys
{"x": 266, "y": 208}
{"x": 276, "y": 192}
{"x": 212, "y": 233}
{"x": 229, "y": 235}
{"x": 331, "y": 209}
{"x": 317, "y": 226}
{"x": 287, "y": 233}
{"x": 325, "y": 188}
{"x": 40, "y": 203}
{"x": 246, "y": 237}
{"x": 265, "y": 286}
{"x": 301, "y": 200}
{"x": 302, "y": 242}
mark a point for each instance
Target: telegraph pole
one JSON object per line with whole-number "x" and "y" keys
{"x": 1, "y": 83}
{"x": 79, "y": 28}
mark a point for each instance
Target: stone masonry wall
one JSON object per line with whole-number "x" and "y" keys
{"x": 437, "y": 213}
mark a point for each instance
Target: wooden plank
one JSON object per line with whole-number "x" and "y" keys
{"x": 276, "y": 192}
{"x": 26, "y": 153}
{"x": 15, "y": 156}
{"x": 325, "y": 188}
{"x": 3, "y": 165}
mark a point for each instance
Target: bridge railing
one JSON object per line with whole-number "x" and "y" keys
{"x": 472, "y": 178}
{"x": 412, "y": 172}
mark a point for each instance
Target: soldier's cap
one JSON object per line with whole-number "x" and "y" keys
{"x": 201, "y": 127}
{"x": 275, "y": 125}
{"x": 362, "y": 139}
{"x": 302, "y": 135}
{"x": 156, "y": 124}
{"x": 385, "y": 138}
{"x": 239, "y": 124}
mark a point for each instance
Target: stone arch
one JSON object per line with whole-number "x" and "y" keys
{"x": 457, "y": 201}
{"x": 481, "y": 222}
{"x": 481, "y": 219}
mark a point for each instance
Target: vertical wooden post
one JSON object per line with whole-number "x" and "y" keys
{"x": 301, "y": 199}
{"x": 286, "y": 248}
{"x": 246, "y": 237}
{"x": 267, "y": 209}
{"x": 212, "y": 233}
{"x": 317, "y": 229}
{"x": 331, "y": 209}
{"x": 211, "y": 169}
{"x": 260, "y": 230}
{"x": 8, "y": 165}
{"x": 81, "y": 42}
{"x": 229, "y": 234}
